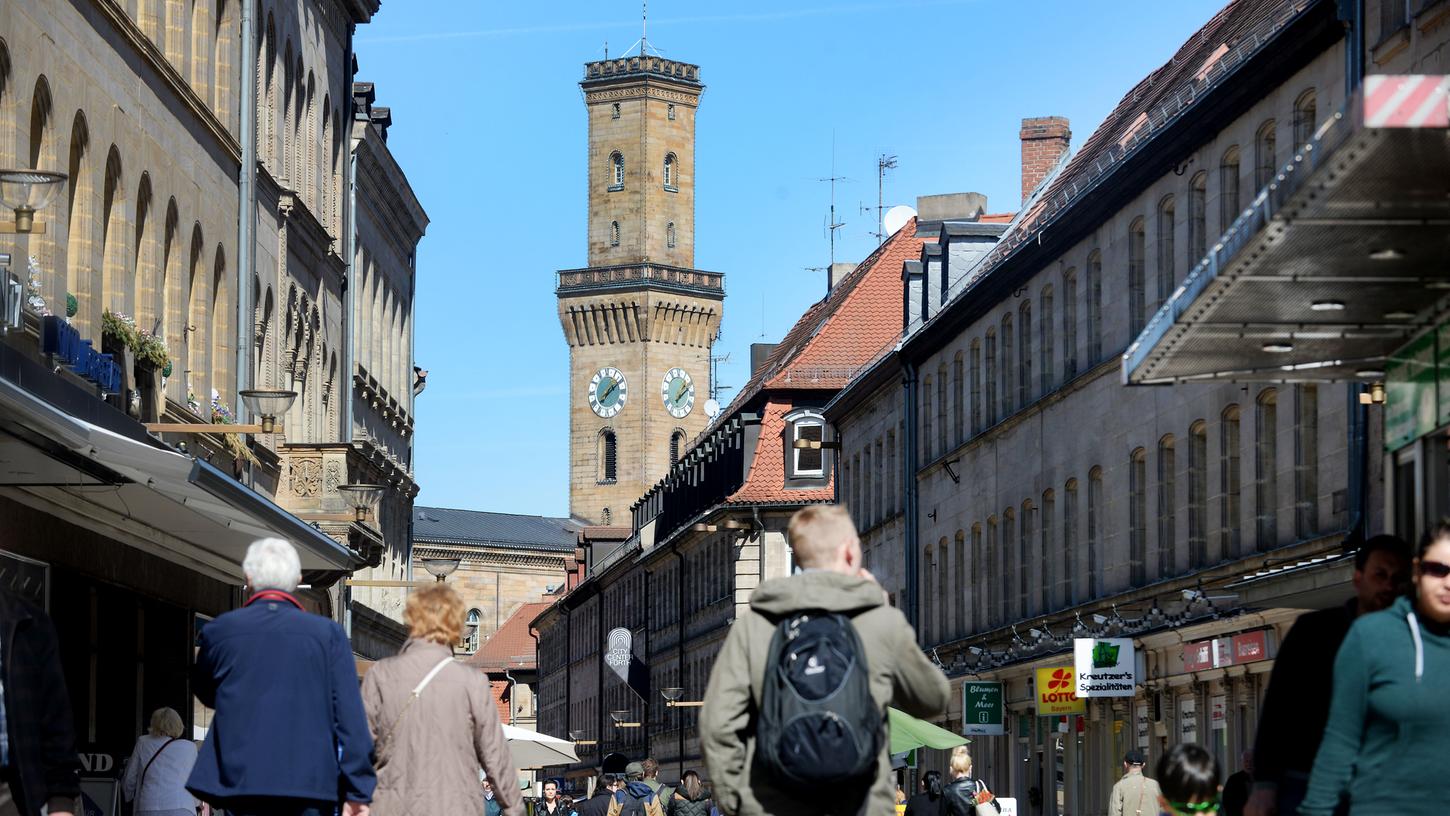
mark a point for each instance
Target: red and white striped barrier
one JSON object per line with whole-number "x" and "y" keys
{"x": 1407, "y": 101}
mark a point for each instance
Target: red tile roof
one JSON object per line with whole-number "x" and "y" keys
{"x": 511, "y": 647}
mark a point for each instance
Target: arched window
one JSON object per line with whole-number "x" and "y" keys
{"x": 990, "y": 377}
{"x": 1069, "y": 542}
{"x": 926, "y": 425}
{"x": 1045, "y": 552}
{"x": 986, "y": 576}
{"x": 975, "y": 375}
{"x": 470, "y": 631}
{"x": 616, "y": 171}
{"x": 608, "y": 466}
{"x": 677, "y": 445}
{"x": 670, "y": 235}
{"x": 669, "y": 172}
{"x": 1266, "y": 469}
{"x": 606, "y": 516}
{"x": 1024, "y": 353}
{"x": 1024, "y": 559}
{"x": 1306, "y": 461}
{"x": 1095, "y": 511}
{"x": 670, "y": 112}
{"x": 1197, "y": 218}
{"x": 959, "y": 583}
{"x": 614, "y": 111}
{"x": 1228, "y": 189}
{"x": 941, "y": 408}
{"x": 1265, "y": 162}
{"x": 1095, "y": 307}
{"x": 1006, "y": 371}
{"x": 978, "y": 600}
{"x": 1069, "y": 324}
{"x": 1230, "y": 482}
{"x": 1198, "y": 494}
{"x": 1306, "y": 110}
{"x": 1167, "y": 505}
{"x": 1009, "y": 574}
{"x": 1138, "y": 517}
{"x": 1045, "y": 347}
{"x": 1167, "y": 272}
{"x": 959, "y": 419}
{"x": 1137, "y": 284}
{"x": 614, "y": 233}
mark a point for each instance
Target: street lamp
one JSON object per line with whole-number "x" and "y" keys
{"x": 365, "y": 498}
{"x": 441, "y": 568}
{"x": 672, "y": 697}
{"x": 577, "y": 737}
{"x": 26, "y": 191}
{"x": 620, "y": 716}
{"x": 267, "y": 404}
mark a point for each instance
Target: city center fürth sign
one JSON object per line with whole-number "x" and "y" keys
{"x": 1106, "y": 667}
{"x": 982, "y": 708}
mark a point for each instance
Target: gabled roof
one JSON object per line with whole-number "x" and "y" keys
{"x": 511, "y": 647}
{"x": 442, "y": 525}
{"x": 766, "y": 481}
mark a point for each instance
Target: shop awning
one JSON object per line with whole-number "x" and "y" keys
{"x": 1338, "y": 262}
{"x": 173, "y": 505}
{"x": 907, "y": 733}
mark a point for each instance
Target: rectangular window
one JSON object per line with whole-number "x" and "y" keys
{"x": 809, "y": 461}
{"x": 892, "y": 495}
{"x": 1167, "y": 507}
{"x": 926, "y": 426}
{"x": 878, "y": 499}
{"x": 1306, "y": 462}
{"x": 1266, "y": 470}
{"x": 855, "y": 483}
{"x": 1231, "y": 484}
{"x": 941, "y": 409}
{"x": 868, "y": 507}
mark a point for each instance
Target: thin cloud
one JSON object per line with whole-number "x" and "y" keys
{"x": 602, "y": 25}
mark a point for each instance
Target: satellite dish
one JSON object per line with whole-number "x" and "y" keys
{"x": 896, "y": 218}
{"x": 712, "y": 408}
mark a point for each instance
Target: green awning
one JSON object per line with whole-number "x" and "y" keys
{"x": 907, "y": 732}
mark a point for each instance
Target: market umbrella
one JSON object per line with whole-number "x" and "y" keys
{"x": 907, "y": 732}
{"x": 531, "y": 749}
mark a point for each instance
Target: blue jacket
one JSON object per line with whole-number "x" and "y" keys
{"x": 289, "y": 719}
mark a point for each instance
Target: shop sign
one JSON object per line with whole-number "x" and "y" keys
{"x": 1141, "y": 725}
{"x": 1188, "y": 719}
{"x": 1411, "y": 389}
{"x": 1442, "y": 375}
{"x": 982, "y": 708}
{"x": 1251, "y": 647}
{"x": 1218, "y": 712}
{"x": 60, "y": 339}
{"x": 1104, "y": 667}
{"x": 1056, "y": 693}
{"x": 1200, "y": 655}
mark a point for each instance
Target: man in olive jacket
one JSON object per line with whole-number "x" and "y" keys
{"x": 826, "y": 548}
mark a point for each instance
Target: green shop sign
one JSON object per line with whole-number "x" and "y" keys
{"x": 1414, "y": 404}
{"x": 982, "y": 708}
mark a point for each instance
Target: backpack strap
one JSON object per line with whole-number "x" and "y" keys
{"x": 142, "y": 781}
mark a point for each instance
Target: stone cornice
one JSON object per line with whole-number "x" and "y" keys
{"x": 379, "y": 165}
{"x": 642, "y": 91}
{"x": 482, "y": 554}
{"x": 300, "y": 222}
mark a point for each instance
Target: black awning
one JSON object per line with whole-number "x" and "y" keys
{"x": 1339, "y": 261}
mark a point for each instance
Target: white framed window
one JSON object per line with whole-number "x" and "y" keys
{"x": 669, "y": 172}
{"x": 807, "y": 462}
{"x": 616, "y": 170}
{"x": 670, "y": 235}
{"x": 614, "y": 233}
{"x": 470, "y": 631}
{"x": 670, "y": 113}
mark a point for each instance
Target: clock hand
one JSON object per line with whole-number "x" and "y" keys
{"x": 678, "y": 394}
{"x": 613, "y": 384}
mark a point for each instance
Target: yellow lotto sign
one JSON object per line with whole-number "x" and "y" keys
{"x": 1056, "y": 693}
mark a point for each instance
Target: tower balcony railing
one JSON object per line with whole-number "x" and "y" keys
{"x": 624, "y": 276}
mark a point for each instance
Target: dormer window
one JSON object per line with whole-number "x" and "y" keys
{"x": 805, "y": 462}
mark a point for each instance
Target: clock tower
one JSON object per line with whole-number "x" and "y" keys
{"x": 640, "y": 320}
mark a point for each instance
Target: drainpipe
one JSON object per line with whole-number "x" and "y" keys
{"x": 246, "y": 202}
{"x": 512, "y": 684}
{"x": 1357, "y": 414}
{"x": 1353, "y": 45}
{"x": 349, "y": 243}
{"x": 908, "y": 467}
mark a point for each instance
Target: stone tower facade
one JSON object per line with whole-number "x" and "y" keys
{"x": 640, "y": 320}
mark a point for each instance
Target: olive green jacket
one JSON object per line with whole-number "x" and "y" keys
{"x": 901, "y": 676}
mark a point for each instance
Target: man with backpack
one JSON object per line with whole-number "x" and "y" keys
{"x": 634, "y": 797}
{"x": 794, "y": 720}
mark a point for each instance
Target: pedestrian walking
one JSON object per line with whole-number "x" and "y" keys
{"x": 155, "y": 778}
{"x": 289, "y": 737}
{"x": 1189, "y": 778}
{"x": 931, "y": 801}
{"x": 635, "y": 797}
{"x": 1296, "y": 704}
{"x": 38, "y": 754}
{"x": 651, "y": 778}
{"x": 598, "y": 804}
{"x": 833, "y": 602}
{"x": 552, "y": 804}
{"x": 1134, "y": 794}
{"x": 1238, "y": 787}
{"x": 434, "y": 720}
{"x": 968, "y": 795}
{"x": 1388, "y": 735}
{"x": 690, "y": 798}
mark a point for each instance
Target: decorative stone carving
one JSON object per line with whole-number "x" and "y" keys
{"x": 305, "y": 476}
{"x": 333, "y": 476}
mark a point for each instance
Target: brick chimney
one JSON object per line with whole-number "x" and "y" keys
{"x": 1044, "y": 140}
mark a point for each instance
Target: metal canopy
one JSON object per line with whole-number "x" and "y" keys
{"x": 1338, "y": 262}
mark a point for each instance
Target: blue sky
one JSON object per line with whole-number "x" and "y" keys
{"x": 488, "y": 122}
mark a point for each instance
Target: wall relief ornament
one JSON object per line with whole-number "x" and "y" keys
{"x": 305, "y": 476}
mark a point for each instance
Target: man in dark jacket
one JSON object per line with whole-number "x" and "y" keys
{"x": 38, "y": 755}
{"x": 290, "y": 737}
{"x": 1296, "y": 704}
{"x": 598, "y": 804}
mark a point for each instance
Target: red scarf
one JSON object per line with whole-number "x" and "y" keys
{"x": 273, "y": 595}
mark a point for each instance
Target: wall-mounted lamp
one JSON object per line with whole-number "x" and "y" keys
{"x": 26, "y": 191}
{"x": 672, "y": 697}
{"x": 441, "y": 568}
{"x": 1374, "y": 394}
{"x": 267, "y": 404}
{"x": 620, "y": 717}
{"x": 816, "y": 444}
{"x": 578, "y": 738}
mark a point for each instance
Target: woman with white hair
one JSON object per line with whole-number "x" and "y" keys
{"x": 155, "y": 780}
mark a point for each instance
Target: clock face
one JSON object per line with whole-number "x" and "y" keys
{"x": 678, "y": 392}
{"x": 607, "y": 392}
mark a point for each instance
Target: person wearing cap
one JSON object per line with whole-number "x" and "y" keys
{"x": 1135, "y": 794}
{"x": 633, "y": 794}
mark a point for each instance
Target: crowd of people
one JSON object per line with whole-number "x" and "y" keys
{"x": 793, "y": 720}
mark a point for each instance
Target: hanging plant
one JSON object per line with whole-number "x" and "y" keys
{"x": 121, "y": 329}
{"x": 71, "y": 305}
{"x": 222, "y": 415}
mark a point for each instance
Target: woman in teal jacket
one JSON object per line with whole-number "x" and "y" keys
{"x": 1388, "y": 736}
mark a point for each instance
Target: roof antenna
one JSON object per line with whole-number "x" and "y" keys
{"x": 644, "y": 28}
{"x": 831, "y": 223}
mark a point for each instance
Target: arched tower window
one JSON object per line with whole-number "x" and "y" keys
{"x": 669, "y": 172}
{"x": 616, "y": 170}
{"x": 470, "y": 631}
{"x": 670, "y": 235}
{"x": 614, "y": 233}
{"x": 677, "y": 445}
{"x": 614, "y": 111}
{"x": 608, "y": 461}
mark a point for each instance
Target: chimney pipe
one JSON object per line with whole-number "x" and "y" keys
{"x": 1044, "y": 140}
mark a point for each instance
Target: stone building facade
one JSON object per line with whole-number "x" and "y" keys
{"x": 639, "y": 320}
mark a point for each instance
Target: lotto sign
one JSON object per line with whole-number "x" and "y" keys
{"x": 1104, "y": 667}
{"x": 982, "y": 708}
{"x": 1056, "y": 695}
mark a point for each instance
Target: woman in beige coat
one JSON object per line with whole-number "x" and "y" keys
{"x": 434, "y": 722}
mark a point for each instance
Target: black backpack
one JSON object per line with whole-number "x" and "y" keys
{"x": 819, "y": 728}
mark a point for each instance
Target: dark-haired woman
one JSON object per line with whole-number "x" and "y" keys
{"x": 1188, "y": 781}
{"x": 931, "y": 801}
{"x": 1388, "y": 736}
{"x": 690, "y": 798}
